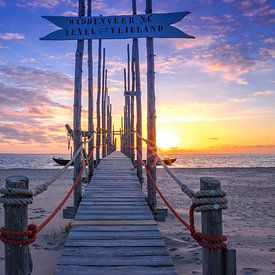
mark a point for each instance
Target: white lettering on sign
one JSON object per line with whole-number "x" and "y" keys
{"x": 117, "y": 27}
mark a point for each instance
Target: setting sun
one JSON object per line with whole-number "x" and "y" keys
{"x": 167, "y": 139}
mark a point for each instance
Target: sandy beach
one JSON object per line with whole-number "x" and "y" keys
{"x": 249, "y": 221}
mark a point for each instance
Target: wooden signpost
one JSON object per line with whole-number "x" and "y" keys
{"x": 117, "y": 27}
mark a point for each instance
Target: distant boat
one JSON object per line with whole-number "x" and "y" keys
{"x": 63, "y": 162}
{"x": 169, "y": 161}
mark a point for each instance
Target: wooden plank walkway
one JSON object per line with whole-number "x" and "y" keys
{"x": 114, "y": 231}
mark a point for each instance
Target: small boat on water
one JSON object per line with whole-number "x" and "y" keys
{"x": 63, "y": 162}
{"x": 169, "y": 161}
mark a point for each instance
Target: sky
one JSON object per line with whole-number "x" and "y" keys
{"x": 214, "y": 94}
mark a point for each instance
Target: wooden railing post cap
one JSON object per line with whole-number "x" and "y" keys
{"x": 17, "y": 182}
{"x": 208, "y": 182}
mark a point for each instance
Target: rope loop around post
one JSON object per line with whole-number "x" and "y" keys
{"x": 206, "y": 200}
{"x": 204, "y": 240}
{"x": 14, "y": 196}
{"x": 8, "y": 237}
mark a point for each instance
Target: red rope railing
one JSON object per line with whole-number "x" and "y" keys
{"x": 33, "y": 229}
{"x": 204, "y": 240}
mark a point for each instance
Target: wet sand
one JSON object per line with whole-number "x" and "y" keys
{"x": 249, "y": 221}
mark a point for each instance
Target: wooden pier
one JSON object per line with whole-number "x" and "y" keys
{"x": 114, "y": 231}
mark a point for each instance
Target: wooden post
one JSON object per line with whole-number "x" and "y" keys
{"x": 125, "y": 117}
{"x": 110, "y": 127}
{"x": 230, "y": 262}
{"x": 133, "y": 107}
{"x": 151, "y": 117}
{"x": 16, "y": 219}
{"x": 138, "y": 102}
{"x": 128, "y": 103}
{"x": 212, "y": 259}
{"x": 77, "y": 108}
{"x": 108, "y": 124}
{"x": 103, "y": 107}
{"x": 98, "y": 131}
{"x": 113, "y": 136}
{"x": 91, "y": 98}
{"x": 122, "y": 135}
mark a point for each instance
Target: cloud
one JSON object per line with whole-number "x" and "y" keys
{"x": 2, "y": 3}
{"x": 39, "y": 3}
{"x": 266, "y": 92}
{"x": 35, "y": 78}
{"x": 202, "y": 41}
{"x": 11, "y": 36}
{"x": 70, "y": 13}
{"x": 3, "y": 47}
{"x": 28, "y": 60}
{"x": 28, "y": 107}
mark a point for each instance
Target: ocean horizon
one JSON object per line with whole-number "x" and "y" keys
{"x": 45, "y": 161}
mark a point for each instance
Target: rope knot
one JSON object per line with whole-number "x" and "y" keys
{"x": 11, "y": 238}
{"x": 204, "y": 240}
{"x": 13, "y": 196}
{"x": 206, "y": 200}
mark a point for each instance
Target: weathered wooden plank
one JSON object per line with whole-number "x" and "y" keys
{"x": 112, "y": 217}
{"x": 128, "y": 203}
{"x": 116, "y": 261}
{"x": 114, "y": 243}
{"x": 115, "y": 199}
{"x": 126, "y": 222}
{"x": 115, "y": 251}
{"x": 92, "y": 211}
{"x": 115, "y": 228}
{"x": 98, "y": 235}
{"x": 133, "y": 270}
{"x": 111, "y": 207}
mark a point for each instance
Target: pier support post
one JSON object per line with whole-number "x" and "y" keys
{"x": 17, "y": 259}
{"x": 151, "y": 117}
{"x": 77, "y": 109}
{"x": 212, "y": 259}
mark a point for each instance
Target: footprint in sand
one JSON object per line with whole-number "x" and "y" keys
{"x": 250, "y": 271}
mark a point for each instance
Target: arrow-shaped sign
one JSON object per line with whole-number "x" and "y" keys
{"x": 117, "y": 27}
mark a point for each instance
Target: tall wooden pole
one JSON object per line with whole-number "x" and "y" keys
{"x": 77, "y": 108}
{"x": 90, "y": 96}
{"x": 98, "y": 131}
{"x": 128, "y": 102}
{"x": 111, "y": 122}
{"x": 108, "y": 124}
{"x": 121, "y": 135}
{"x": 113, "y": 136}
{"x": 138, "y": 101}
{"x": 125, "y": 116}
{"x": 132, "y": 147}
{"x": 151, "y": 116}
{"x": 103, "y": 108}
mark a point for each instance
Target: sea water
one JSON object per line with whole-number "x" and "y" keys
{"x": 39, "y": 161}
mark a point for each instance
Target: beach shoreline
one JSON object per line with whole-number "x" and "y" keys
{"x": 250, "y": 226}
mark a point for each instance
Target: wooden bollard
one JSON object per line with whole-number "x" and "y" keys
{"x": 16, "y": 219}
{"x": 212, "y": 259}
